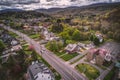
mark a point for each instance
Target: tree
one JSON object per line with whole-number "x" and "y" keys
{"x": 2, "y": 73}
{"x": 96, "y": 26}
{"x": 60, "y": 45}
{"x": 92, "y": 37}
{"x": 117, "y": 35}
{"x": 54, "y": 46}
{"x": 65, "y": 35}
{"x": 34, "y": 55}
{"x": 2, "y": 46}
{"x": 57, "y": 28}
{"x": 76, "y": 35}
{"x": 96, "y": 41}
{"x": 69, "y": 41}
{"x": 115, "y": 26}
{"x": 11, "y": 61}
{"x": 110, "y": 35}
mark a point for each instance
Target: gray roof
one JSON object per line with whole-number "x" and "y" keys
{"x": 36, "y": 68}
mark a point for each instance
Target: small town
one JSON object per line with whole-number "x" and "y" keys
{"x": 59, "y": 44}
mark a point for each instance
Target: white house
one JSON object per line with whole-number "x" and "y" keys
{"x": 71, "y": 48}
{"x": 14, "y": 42}
{"x": 49, "y": 36}
{"x": 39, "y": 71}
{"x": 100, "y": 37}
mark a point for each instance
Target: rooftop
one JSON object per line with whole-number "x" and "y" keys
{"x": 39, "y": 71}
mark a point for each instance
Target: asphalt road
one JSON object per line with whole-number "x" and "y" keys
{"x": 65, "y": 70}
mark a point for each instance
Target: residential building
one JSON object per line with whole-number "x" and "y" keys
{"x": 79, "y": 47}
{"x": 26, "y": 27}
{"x": 14, "y": 42}
{"x": 71, "y": 48}
{"x": 49, "y": 36}
{"x": 6, "y": 38}
{"x": 36, "y": 29}
{"x": 16, "y": 47}
{"x": 5, "y": 55}
{"x": 39, "y": 71}
{"x": 100, "y": 37}
{"x": 98, "y": 56}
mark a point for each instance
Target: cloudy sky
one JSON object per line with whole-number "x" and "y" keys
{"x": 47, "y": 3}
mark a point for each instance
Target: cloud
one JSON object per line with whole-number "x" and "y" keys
{"x": 50, "y": 4}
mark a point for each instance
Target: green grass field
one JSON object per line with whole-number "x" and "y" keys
{"x": 90, "y": 72}
{"x": 34, "y": 36}
{"x": 67, "y": 57}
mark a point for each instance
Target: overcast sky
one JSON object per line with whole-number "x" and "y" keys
{"x": 48, "y": 3}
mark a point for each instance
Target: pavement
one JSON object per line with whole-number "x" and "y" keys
{"x": 113, "y": 48}
{"x": 65, "y": 70}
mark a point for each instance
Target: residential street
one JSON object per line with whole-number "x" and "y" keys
{"x": 65, "y": 70}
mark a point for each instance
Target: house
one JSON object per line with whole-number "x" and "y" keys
{"x": 98, "y": 56}
{"x": 100, "y": 37}
{"x": 48, "y": 36}
{"x": 5, "y": 55}
{"x": 71, "y": 48}
{"x": 86, "y": 28}
{"x": 14, "y": 42}
{"x": 6, "y": 38}
{"x": 39, "y": 71}
{"x": 36, "y": 29}
{"x": 79, "y": 47}
{"x": 90, "y": 45}
{"x": 16, "y": 47}
{"x": 26, "y": 27}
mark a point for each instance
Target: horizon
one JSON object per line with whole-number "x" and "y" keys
{"x": 46, "y": 4}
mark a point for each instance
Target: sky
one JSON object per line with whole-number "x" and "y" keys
{"x": 48, "y": 3}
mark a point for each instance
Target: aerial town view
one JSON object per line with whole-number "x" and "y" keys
{"x": 59, "y": 39}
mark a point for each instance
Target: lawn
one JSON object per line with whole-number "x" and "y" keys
{"x": 13, "y": 34}
{"x": 67, "y": 57}
{"x": 59, "y": 53}
{"x": 25, "y": 46}
{"x": 34, "y": 36}
{"x": 91, "y": 72}
{"x": 77, "y": 59}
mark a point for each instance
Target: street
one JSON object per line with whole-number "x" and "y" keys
{"x": 67, "y": 72}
